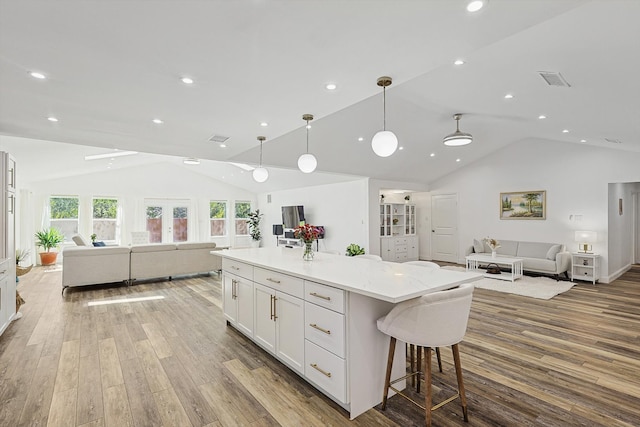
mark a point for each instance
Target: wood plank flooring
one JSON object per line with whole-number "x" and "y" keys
{"x": 573, "y": 360}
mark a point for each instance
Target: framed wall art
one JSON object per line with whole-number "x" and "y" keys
{"x": 523, "y": 205}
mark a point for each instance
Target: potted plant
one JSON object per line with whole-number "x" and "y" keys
{"x": 353, "y": 250}
{"x": 49, "y": 239}
{"x": 21, "y": 255}
{"x": 254, "y": 227}
{"x": 94, "y": 236}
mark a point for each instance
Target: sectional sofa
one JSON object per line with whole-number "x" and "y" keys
{"x": 537, "y": 257}
{"x": 88, "y": 265}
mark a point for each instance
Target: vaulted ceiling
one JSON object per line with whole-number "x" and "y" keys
{"x": 112, "y": 67}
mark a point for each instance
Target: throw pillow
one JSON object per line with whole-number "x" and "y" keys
{"x": 79, "y": 240}
{"x": 97, "y": 244}
{"x": 552, "y": 252}
{"x": 478, "y": 247}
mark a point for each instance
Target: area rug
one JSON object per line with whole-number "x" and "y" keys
{"x": 534, "y": 287}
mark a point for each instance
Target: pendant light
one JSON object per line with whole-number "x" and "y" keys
{"x": 307, "y": 163}
{"x": 458, "y": 138}
{"x": 384, "y": 142}
{"x": 260, "y": 174}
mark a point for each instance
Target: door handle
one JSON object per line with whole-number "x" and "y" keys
{"x": 275, "y": 315}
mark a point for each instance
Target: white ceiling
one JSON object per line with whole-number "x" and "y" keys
{"x": 113, "y": 66}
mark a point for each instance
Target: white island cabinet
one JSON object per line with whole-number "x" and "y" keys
{"x": 319, "y": 317}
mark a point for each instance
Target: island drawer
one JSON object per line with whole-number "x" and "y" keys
{"x": 324, "y": 328}
{"x": 238, "y": 268}
{"x": 326, "y": 370}
{"x": 325, "y": 296}
{"x": 279, "y": 281}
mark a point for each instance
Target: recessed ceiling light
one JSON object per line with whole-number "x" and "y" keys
{"x": 37, "y": 75}
{"x": 52, "y": 119}
{"x": 457, "y": 160}
{"x": 458, "y": 62}
{"x": 542, "y": 117}
{"x": 360, "y": 139}
{"x": 158, "y": 121}
{"x": 223, "y": 145}
{"x": 264, "y": 124}
{"x": 432, "y": 155}
{"x": 331, "y": 86}
{"x": 565, "y": 131}
{"x": 583, "y": 140}
{"x": 401, "y": 148}
{"x": 187, "y": 80}
{"x": 475, "y": 6}
{"x": 508, "y": 96}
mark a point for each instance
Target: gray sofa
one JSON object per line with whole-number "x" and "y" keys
{"x": 87, "y": 265}
{"x": 537, "y": 257}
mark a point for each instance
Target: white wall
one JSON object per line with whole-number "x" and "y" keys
{"x": 132, "y": 186}
{"x": 576, "y": 179}
{"x": 341, "y": 208}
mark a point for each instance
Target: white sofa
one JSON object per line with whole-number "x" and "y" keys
{"x": 87, "y": 265}
{"x": 538, "y": 257}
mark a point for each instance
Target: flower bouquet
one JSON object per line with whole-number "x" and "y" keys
{"x": 307, "y": 233}
{"x": 493, "y": 244}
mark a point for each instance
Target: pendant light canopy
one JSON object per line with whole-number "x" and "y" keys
{"x": 384, "y": 142}
{"x": 458, "y": 138}
{"x": 307, "y": 163}
{"x": 260, "y": 174}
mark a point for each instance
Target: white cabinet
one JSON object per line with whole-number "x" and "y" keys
{"x": 238, "y": 302}
{"x": 585, "y": 267}
{"x": 279, "y": 317}
{"x": 398, "y": 240}
{"x": 7, "y": 239}
{"x": 5, "y": 317}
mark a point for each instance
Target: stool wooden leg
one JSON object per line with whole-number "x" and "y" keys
{"x": 439, "y": 358}
{"x": 418, "y": 368}
{"x": 387, "y": 379}
{"x": 463, "y": 397}
{"x": 412, "y": 361}
{"x": 427, "y": 381}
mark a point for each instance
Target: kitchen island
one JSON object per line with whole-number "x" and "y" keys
{"x": 319, "y": 317}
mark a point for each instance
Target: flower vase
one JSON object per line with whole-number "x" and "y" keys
{"x": 493, "y": 254}
{"x": 308, "y": 251}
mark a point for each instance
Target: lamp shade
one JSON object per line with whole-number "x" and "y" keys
{"x": 260, "y": 174}
{"x": 586, "y": 236}
{"x": 384, "y": 143}
{"x": 307, "y": 163}
{"x": 457, "y": 139}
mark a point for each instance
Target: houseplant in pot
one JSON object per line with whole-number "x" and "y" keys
{"x": 49, "y": 239}
{"x": 254, "y": 227}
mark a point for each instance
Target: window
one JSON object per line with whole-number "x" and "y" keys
{"x": 64, "y": 215}
{"x": 242, "y": 215}
{"x": 105, "y": 215}
{"x": 218, "y": 218}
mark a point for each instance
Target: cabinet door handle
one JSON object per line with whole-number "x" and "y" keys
{"x": 275, "y": 314}
{"x": 313, "y": 294}
{"x": 273, "y": 280}
{"x": 235, "y": 268}
{"x": 326, "y": 331}
{"x": 12, "y": 173}
{"x": 322, "y": 371}
{"x": 13, "y": 203}
{"x": 3, "y": 271}
{"x": 234, "y": 284}
{"x": 270, "y": 307}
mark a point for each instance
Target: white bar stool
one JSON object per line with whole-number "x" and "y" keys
{"x": 433, "y": 320}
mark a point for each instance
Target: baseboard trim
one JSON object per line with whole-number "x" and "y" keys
{"x": 616, "y": 275}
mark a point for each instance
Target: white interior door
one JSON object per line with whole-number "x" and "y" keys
{"x": 444, "y": 227}
{"x": 636, "y": 215}
{"x": 167, "y": 221}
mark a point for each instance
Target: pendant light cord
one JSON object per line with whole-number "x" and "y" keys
{"x": 384, "y": 108}
{"x": 307, "y": 136}
{"x": 260, "y": 153}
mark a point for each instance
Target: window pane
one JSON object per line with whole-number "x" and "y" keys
{"x": 218, "y": 215}
{"x": 217, "y": 209}
{"x": 180, "y": 226}
{"x": 242, "y": 228}
{"x": 154, "y": 223}
{"x": 64, "y": 215}
{"x": 105, "y": 213}
{"x": 242, "y": 211}
{"x": 218, "y": 227}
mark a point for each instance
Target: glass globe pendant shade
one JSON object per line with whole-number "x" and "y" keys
{"x": 260, "y": 174}
{"x": 384, "y": 143}
{"x": 307, "y": 163}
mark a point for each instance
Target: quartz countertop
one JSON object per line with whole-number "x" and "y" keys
{"x": 388, "y": 281}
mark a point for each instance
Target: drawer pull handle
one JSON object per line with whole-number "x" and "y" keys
{"x": 3, "y": 271}
{"x": 326, "y": 331}
{"x": 313, "y": 294}
{"x": 235, "y": 268}
{"x": 323, "y": 372}
{"x": 273, "y": 280}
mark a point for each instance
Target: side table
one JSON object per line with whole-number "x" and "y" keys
{"x": 585, "y": 266}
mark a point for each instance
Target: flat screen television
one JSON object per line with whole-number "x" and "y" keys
{"x": 292, "y": 216}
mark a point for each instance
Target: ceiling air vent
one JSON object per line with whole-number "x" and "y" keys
{"x": 613, "y": 140}
{"x": 218, "y": 138}
{"x": 553, "y": 78}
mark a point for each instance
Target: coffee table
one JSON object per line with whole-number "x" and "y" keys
{"x": 474, "y": 261}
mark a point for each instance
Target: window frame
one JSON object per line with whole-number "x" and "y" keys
{"x": 53, "y": 221}
{"x": 115, "y": 220}
{"x": 224, "y": 219}
{"x": 237, "y": 218}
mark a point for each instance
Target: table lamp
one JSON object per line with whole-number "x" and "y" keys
{"x": 584, "y": 239}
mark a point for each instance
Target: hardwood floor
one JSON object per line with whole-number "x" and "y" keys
{"x": 571, "y": 360}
